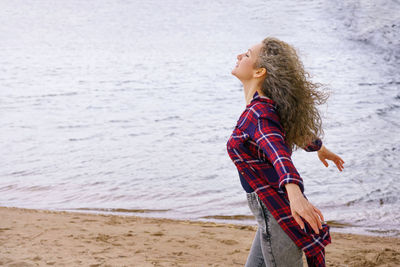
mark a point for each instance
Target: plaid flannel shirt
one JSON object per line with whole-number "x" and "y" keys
{"x": 258, "y": 149}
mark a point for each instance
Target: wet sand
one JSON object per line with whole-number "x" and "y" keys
{"x": 42, "y": 238}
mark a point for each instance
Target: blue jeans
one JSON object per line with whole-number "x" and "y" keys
{"x": 271, "y": 246}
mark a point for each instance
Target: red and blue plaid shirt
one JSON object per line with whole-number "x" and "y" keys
{"x": 258, "y": 148}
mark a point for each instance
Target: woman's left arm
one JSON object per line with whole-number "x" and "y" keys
{"x": 325, "y": 154}
{"x": 301, "y": 207}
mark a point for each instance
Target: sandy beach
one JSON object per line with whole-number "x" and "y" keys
{"x": 40, "y": 238}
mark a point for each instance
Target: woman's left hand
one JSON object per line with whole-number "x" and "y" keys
{"x": 301, "y": 207}
{"x": 325, "y": 154}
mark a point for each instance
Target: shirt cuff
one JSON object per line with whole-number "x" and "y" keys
{"x": 290, "y": 179}
{"x": 314, "y": 145}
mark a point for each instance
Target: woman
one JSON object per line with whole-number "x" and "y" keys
{"x": 280, "y": 116}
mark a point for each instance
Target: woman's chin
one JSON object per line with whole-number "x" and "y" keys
{"x": 234, "y": 73}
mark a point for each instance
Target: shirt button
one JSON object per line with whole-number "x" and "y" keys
{"x": 242, "y": 172}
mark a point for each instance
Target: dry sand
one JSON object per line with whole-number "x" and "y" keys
{"x": 42, "y": 238}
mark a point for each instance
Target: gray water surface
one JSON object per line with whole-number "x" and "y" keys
{"x": 126, "y": 106}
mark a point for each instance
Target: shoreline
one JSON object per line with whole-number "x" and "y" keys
{"x": 335, "y": 226}
{"x": 30, "y": 237}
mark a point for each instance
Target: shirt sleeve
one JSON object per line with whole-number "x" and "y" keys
{"x": 314, "y": 145}
{"x": 269, "y": 137}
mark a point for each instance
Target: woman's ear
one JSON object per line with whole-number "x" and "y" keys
{"x": 260, "y": 72}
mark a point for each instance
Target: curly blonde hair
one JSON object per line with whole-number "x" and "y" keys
{"x": 288, "y": 84}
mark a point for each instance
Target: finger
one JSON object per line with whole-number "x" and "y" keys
{"x": 314, "y": 214}
{"x": 339, "y": 165}
{"x": 325, "y": 163}
{"x": 317, "y": 220}
{"x": 309, "y": 217}
{"x": 319, "y": 213}
{"x": 298, "y": 220}
{"x": 312, "y": 221}
{"x": 339, "y": 159}
{"x": 319, "y": 225}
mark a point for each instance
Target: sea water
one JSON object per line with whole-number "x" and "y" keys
{"x": 125, "y": 107}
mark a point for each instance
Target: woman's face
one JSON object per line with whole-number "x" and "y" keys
{"x": 244, "y": 68}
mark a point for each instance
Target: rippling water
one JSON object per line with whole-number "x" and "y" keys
{"x": 126, "y": 106}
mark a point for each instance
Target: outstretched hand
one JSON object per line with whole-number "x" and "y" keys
{"x": 325, "y": 154}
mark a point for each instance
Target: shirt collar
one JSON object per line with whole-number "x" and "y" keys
{"x": 257, "y": 97}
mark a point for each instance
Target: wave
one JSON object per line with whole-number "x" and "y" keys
{"x": 375, "y": 23}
